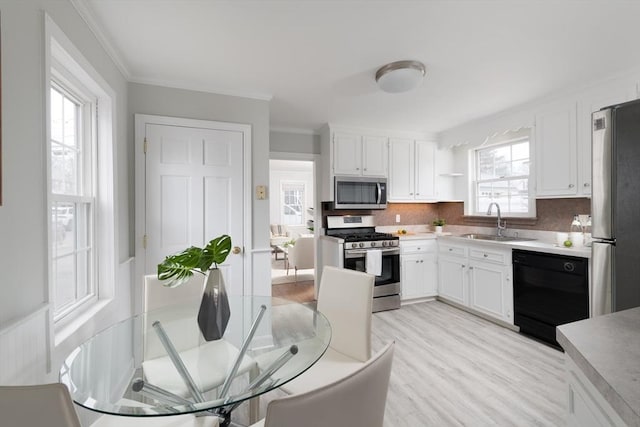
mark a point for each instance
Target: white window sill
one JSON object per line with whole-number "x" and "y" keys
{"x": 68, "y": 328}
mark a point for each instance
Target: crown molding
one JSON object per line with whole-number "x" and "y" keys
{"x": 86, "y": 13}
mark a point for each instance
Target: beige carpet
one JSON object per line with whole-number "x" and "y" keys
{"x": 299, "y": 292}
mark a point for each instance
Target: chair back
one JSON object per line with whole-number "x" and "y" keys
{"x": 357, "y": 400}
{"x": 345, "y": 298}
{"x": 301, "y": 254}
{"x": 180, "y": 325}
{"x": 44, "y": 405}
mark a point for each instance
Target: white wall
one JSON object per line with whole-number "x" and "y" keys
{"x": 24, "y": 319}
{"x": 294, "y": 142}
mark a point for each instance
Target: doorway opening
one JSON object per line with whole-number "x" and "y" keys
{"x": 291, "y": 216}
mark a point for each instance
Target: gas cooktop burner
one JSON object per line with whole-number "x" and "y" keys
{"x": 368, "y": 237}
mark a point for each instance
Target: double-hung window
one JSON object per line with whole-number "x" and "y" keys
{"x": 81, "y": 200}
{"x": 502, "y": 176}
{"x": 72, "y": 148}
{"x": 293, "y": 202}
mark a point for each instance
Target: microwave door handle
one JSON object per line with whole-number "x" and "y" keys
{"x": 379, "y": 192}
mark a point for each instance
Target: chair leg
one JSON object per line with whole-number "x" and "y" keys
{"x": 254, "y": 404}
{"x": 296, "y": 273}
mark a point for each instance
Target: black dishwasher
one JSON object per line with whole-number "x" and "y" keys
{"x": 548, "y": 290}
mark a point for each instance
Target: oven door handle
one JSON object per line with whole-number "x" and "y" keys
{"x": 364, "y": 251}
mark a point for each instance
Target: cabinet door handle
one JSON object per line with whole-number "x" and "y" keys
{"x": 485, "y": 255}
{"x": 421, "y": 261}
{"x": 463, "y": 266}
{"x": 571, "y": 185}
{"x": 417, "y": 194}
{"x": 365, "y": 168}
{"x": 586, "y": 184}
{"x": 357, "y": 169}
{"x": 411, "y": 194}
{"x": 470, "y": 268}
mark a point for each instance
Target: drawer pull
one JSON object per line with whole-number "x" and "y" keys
{"x": 485, "y": 255}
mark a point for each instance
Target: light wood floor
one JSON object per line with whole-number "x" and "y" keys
{"x": 452, "y": 368}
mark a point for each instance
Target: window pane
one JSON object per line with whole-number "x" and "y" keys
{"x": 63, "y": 170}
{"x": 520, "y": 167}
{"x": 502, "y": 170}
{"x": 520, "y": 151}
{"x": 56, "y": 115}
{"x": 70, "y": 122}
{"x": 83, "y": 278}
{"x": 292, "y": 203}
{"x": 64, "y": 282}
{"x": 502, "y": 153}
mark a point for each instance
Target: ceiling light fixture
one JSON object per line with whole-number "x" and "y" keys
{"x": 400, "y": 76}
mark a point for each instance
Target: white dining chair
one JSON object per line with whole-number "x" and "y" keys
{"x": 196, "y": 354}
{"x": 300, "y": 256}
{"x": 43, "y": 405}
{"x": 345, "y": 299}
{"x": 356, "y": 400}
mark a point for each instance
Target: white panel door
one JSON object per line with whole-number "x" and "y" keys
{"x": 487, "y": 289}
{"x": 194, "y": 193}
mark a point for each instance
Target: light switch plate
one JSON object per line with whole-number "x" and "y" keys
{"x": 261, "y": 192}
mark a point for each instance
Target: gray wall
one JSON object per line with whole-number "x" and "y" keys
{"x": 291, "y": 142}
{"x": 23, "y": 216}
{"x": 163, "y": 101}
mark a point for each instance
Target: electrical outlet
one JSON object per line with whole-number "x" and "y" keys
{"x": 261, "y": 192}
{"x": 398, "y": 218}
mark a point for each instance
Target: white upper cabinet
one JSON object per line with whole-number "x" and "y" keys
{"x": 347, "y": 154}
{"x": 563, "y": 141}
{"x": 411, "y": 170}
{"x": 359, "y": 155}
{"x": 374, "y": 155}
{"x": 556, "y": 151}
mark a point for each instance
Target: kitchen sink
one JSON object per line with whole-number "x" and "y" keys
{"x": 495, "y": 238}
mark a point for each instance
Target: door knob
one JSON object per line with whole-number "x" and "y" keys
{"x": 236, "y": 250}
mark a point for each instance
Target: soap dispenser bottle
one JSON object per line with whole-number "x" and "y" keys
{"x": 576, "y": 232}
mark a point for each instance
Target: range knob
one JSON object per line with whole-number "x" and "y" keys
{"x": 373, "y": 244}
{"x": 385, "y": 243}
{"x": 354, "y": 245}
{"x": 361, "y": 245}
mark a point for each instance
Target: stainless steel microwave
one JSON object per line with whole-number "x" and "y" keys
{"x": 353, "y": 192}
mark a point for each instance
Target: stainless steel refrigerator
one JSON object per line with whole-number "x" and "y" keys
{"x": 615, "y": 209}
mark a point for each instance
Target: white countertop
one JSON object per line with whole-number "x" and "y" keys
{"x": 530, "y": 245}
{"x": 607, "y": 349}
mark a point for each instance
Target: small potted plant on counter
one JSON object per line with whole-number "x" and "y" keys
{"x": 438, "y": 223}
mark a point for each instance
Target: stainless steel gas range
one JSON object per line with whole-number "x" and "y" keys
{"x": 347, "y": 243}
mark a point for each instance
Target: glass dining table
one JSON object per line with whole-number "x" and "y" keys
{"x": 158, "y": 363}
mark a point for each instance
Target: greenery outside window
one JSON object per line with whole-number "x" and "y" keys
{"x": 502, "y": 175}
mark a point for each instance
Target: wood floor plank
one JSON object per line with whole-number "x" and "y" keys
{"x": 452, "y": 368}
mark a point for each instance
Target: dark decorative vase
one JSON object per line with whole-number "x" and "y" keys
{"x": 214, "y": 309}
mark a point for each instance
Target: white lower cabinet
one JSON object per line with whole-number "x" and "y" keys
{"x": 419, "y": 274}
{"x": 452, "y": 273}
{"x": 478, "y": 277}
{"x": 586, "y": 407}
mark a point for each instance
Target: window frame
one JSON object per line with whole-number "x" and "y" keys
{"x": 507, "y": 139}
{"x": 302, "y": 184}
{"x": 62, "y": 60}
{"x": 85, "y": 194}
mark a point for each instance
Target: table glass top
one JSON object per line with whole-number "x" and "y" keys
{"x": 127, "y": 369}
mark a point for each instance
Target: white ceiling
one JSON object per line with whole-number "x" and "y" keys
{"x": 316, "y": 60}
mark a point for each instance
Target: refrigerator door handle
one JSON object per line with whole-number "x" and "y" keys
{"x": 601, "y": 180}
{"x": 602, "y": 278}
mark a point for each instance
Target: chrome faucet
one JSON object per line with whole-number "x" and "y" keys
{"x": 502, "y": 225}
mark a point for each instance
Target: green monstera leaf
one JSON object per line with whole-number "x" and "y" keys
{"x": 178, "y": 269}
